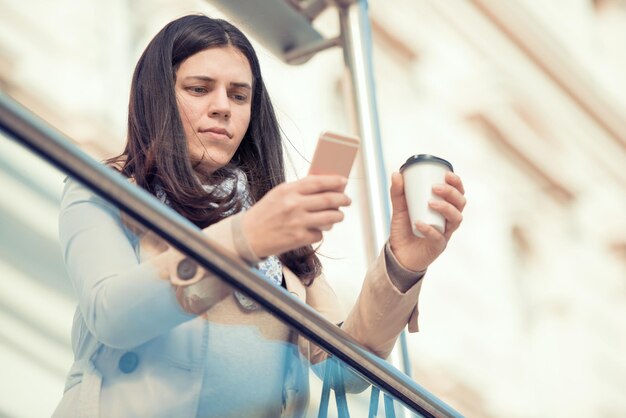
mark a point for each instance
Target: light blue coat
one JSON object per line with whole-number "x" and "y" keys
{"x": 138, "y": 354}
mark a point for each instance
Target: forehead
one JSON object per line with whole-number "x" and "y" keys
{"x": 217, "y": 63}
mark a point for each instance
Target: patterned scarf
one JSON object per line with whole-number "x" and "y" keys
{"x": 270, "y": 268}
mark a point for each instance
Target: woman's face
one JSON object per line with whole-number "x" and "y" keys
{"x": 214, "y": 95}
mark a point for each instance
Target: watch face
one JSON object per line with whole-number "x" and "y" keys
{"x": 186, "y": 269}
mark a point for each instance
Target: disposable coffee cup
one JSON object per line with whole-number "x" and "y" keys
{"x": 420, "y": 173}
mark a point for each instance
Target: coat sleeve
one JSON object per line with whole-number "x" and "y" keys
{"x": 382, "y": 311}
{"x": 123, "y": 301}
{"x": 378, "y": 316}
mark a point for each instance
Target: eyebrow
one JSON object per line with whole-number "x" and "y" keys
{"x": 211, "y": 80}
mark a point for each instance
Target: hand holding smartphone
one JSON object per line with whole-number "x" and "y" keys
{"x": 334, "y": 154}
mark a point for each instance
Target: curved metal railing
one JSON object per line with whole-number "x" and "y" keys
{"x": 21, "y": 125}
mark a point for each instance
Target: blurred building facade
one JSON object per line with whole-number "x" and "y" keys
{"x": 525, "y": 313}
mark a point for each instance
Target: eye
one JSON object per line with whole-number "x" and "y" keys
{"x": 240, "y": 97}
{"x": 197, "y": 90}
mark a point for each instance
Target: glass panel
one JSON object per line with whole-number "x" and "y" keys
{"x": 135, "y": 348}
{"x": 36, "y": 299}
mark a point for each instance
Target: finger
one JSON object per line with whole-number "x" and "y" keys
{"x": 326, "y": 228}
{"x": 453, "y": 216}
{"x": 313, "y": 184}
{"x": 396, "y": 193}
{"x": 317, "y": 220}
{"x": 324, "y": 201}
{"x": 455, "y": 181}
{"x": 306, "y": 236}
{"x": 311, "y": 236}
{"x": 450, "y": 194}
{"x": 431, "y": 234}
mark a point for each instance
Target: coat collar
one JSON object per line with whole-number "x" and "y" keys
{"x": 294, "y": 284}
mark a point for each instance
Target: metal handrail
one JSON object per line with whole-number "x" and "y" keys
{"x": 20, "y": 124}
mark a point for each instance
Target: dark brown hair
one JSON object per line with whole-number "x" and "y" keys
{"x": 156, "y": 149}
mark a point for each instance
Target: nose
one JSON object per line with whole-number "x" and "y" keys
{"x": 219, "y": 107}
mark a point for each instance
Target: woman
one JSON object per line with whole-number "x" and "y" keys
{"x": 203, "y": 138}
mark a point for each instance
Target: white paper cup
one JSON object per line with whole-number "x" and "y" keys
{"x": 420, "y": 173}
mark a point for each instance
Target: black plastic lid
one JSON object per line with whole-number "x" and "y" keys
{"x": 425, "y": 158}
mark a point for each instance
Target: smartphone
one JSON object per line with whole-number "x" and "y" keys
{"x": 334, "y": 154}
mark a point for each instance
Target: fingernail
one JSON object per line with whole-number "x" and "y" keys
{"x": 438, "y": 188}
{"x": 422, "y": 227}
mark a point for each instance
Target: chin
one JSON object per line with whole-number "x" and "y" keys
{"x": 209, "y": 167}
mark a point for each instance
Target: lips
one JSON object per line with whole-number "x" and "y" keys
{"x": 218, "y": 132}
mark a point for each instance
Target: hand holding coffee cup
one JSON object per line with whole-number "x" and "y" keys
{"x": 420, "y": 173}
{"x": 427, "y": 201}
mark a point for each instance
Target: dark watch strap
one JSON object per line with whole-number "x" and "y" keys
{"x": 186, "y": 269}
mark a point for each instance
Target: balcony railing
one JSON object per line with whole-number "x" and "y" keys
{"x": 21, "y": 125}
